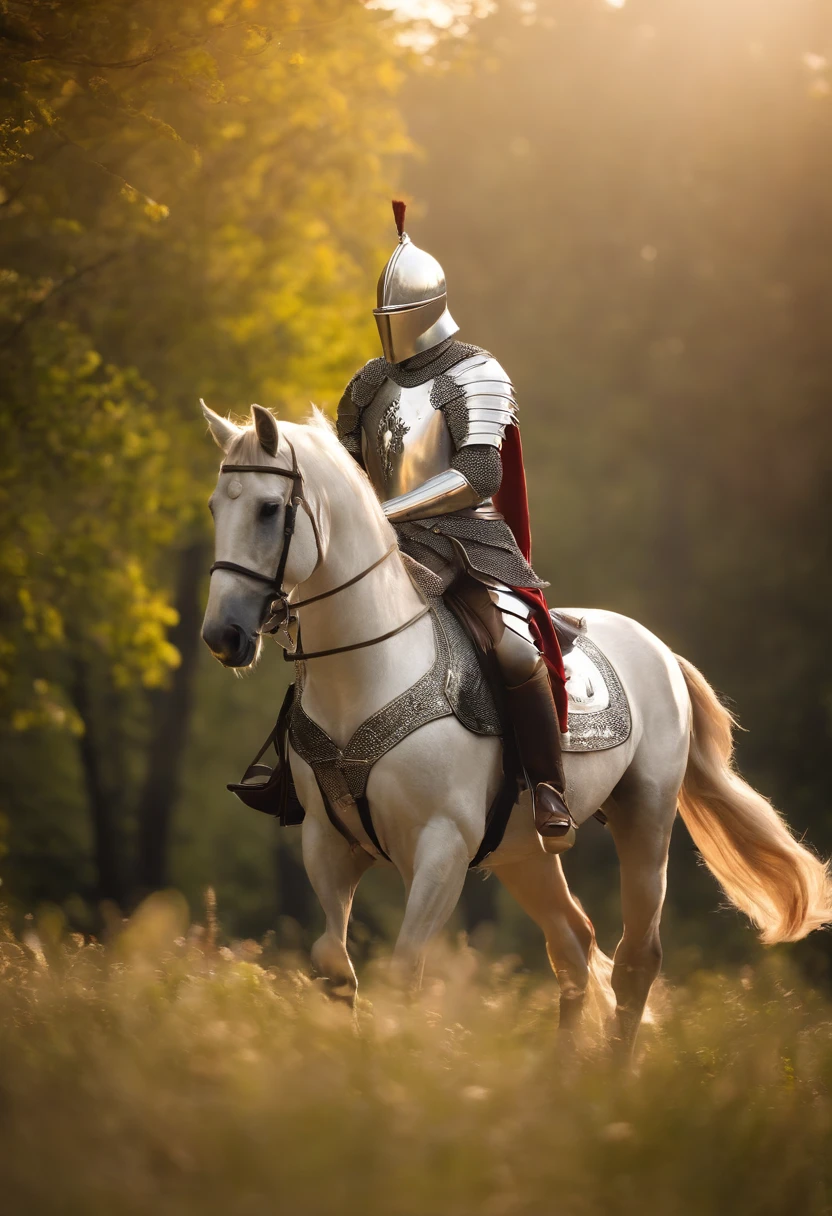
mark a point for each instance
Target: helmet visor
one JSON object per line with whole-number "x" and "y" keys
{"x": 407, "y": 331}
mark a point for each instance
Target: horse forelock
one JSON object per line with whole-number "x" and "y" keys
{"x": 247, "y": 449}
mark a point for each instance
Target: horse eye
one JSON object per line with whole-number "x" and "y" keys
{"x": 269, "y": 509}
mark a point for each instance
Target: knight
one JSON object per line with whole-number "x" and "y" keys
{"x": 433, "y": 422}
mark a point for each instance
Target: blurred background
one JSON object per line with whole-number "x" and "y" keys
{"x": 633, "y": 205}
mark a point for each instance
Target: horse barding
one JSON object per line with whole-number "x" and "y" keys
{"x": 390, "y": 771}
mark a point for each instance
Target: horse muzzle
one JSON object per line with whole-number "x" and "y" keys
{"x": 230, "y": 644}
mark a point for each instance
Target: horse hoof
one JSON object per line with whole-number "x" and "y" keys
{"x": 338, "y": 990}
{"x": 558, "y": 844}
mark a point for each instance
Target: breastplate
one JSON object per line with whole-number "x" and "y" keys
{"x": 404, "y": 440}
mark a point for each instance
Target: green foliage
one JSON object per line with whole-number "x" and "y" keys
{"x": 74, "y": 546}
{"x": 185, "y": 207}
{"x": 171, "y": 1072}
{"x": 191, "y": 202}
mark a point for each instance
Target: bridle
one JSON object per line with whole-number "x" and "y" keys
{"x": 297, "y": 499}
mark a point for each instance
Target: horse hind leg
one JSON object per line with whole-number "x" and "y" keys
{"x": 640, "y": 823}
{"x": 334, "y": 870}
{"x": 539, "y": 886}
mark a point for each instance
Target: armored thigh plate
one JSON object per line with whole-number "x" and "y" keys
{"x": 515, "y": 612}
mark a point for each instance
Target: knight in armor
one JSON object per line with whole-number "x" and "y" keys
{"x": 434, "y": 425}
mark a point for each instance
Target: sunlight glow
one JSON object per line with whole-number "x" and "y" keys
{"x": 424, "y": 21}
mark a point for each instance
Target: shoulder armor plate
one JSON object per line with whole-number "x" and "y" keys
{"x": 368, "y": 381}
{"x": 489, "y": 400}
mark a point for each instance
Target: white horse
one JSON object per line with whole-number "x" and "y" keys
{"x": 429, "y": 795}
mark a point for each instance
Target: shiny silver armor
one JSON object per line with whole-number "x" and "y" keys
{"x": 410, "y": 436}
{"x": 412, "y": 313}
{"x": 427, "y": 423}
{"x": 516, "y": 612}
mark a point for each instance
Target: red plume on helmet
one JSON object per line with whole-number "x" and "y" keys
{"x": 399, "y": 209}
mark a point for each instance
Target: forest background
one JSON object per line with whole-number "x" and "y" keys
{"x": 632, "y": 204}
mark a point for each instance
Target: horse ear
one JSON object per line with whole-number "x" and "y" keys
{"x": 265, "y": 425}
{"x": 224, "y": 432}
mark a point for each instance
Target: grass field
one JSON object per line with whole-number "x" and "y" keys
{"x": 165, "y": 1075}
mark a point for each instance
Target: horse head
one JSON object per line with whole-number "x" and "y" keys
{"x": 263, "y": 542}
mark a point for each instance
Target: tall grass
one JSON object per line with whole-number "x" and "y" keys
{"x": 165, "y": 1075}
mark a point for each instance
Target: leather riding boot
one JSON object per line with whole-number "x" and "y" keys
{"x": 536, "y": 727}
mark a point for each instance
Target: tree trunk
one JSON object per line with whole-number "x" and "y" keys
{"x": 170, "y": 710}
{"x": 479, "y": 902}
{"x": 294, "y": 894}
{"x": 110, "y": 879}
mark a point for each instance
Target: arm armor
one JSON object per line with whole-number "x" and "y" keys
{"x": 487, "y": 394}
{"x": 348, "y": 422}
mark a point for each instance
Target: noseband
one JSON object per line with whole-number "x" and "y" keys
{"x": 275, "y": 581}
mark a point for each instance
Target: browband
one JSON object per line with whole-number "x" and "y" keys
{"x": 295, "y": 474}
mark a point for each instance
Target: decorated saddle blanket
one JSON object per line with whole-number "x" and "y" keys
{"x": 456, "y": 683}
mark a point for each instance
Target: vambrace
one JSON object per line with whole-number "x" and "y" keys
{"x": 475, "y": 474}
{"x": 440, "y": 495}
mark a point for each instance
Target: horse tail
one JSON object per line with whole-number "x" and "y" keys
{"x": 768, "y": 874}
{"x": 600, "y": 995}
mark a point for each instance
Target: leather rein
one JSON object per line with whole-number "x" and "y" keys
{"x": 275, "y": 581}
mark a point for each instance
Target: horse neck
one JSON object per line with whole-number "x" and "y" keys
{"x": 340, "y": 691}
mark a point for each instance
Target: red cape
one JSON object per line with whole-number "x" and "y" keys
{"x": 513, "y": 503}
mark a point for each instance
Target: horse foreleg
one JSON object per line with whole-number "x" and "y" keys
{"x": 440, "y": 863}
{"x": 641, "y": 830}
{"x": 334, "y": 871}
{"x": 540, "y": 888}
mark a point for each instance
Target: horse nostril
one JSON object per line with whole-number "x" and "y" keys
{"x": 226, "y": 642}
{"x": 232, "y": 636}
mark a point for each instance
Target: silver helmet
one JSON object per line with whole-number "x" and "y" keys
{"x": 412, "y": 313}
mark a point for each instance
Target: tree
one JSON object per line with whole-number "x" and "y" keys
{"x": 189, "y": 206}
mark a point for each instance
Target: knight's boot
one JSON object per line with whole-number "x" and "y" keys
{"x": 534, "y": 716}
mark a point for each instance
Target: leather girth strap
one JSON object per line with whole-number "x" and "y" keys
{"x": 500, "y": 810}
{"x": 362, "y": 804}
